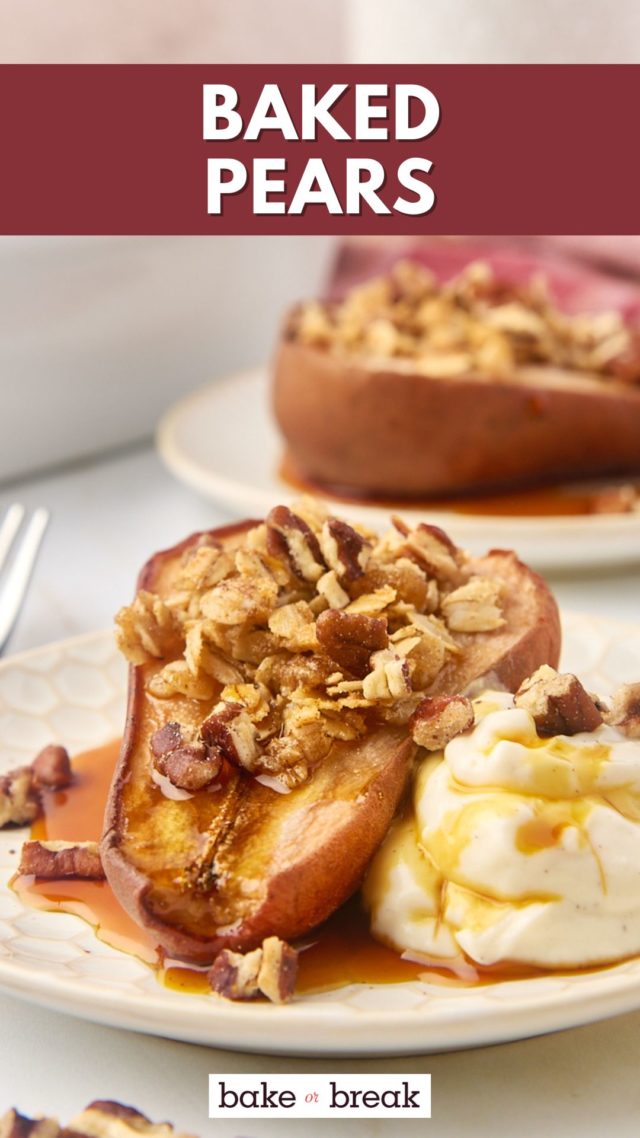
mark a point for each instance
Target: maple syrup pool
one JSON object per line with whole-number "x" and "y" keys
{"x": 552, "y": 501}
{"x": 340, "y": 952}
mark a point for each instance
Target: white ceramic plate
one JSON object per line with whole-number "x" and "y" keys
{"x": 74, "y": 692}
{"x": 223, "y": 442}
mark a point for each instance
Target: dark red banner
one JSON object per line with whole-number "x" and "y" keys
{"x": 517, "y": 149}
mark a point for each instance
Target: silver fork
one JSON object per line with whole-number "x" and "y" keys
{"x": 15, "y": 582}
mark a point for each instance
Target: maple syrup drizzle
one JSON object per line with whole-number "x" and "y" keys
{"x": 76, "y": 815}
{"x": 543, "y": 501}
{"x": 340, "y": 952}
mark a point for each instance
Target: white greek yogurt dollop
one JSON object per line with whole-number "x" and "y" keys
{"x": 517, "y": 849}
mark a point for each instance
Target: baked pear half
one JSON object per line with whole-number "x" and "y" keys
{"x": 276, "y": 670}
{"x": 409, "y": 388}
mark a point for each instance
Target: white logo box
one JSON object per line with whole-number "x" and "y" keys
{"x": 320, "y": 1096}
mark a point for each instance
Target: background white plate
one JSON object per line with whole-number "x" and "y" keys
{"x": 73, "y": 692}
{"x": 223, "y": 442}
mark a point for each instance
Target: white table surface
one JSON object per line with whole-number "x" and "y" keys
{"x": 107, "y": 518}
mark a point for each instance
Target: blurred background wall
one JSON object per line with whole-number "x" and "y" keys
{"x": 171, "y": 31}
{"x": 493, "y": 31}
{"x": 285, "y": 31}
{"x": 99, "y": 335}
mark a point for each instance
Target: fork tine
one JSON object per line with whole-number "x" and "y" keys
{"x": 13, "y": 592}
{"x": 10, "y": 525}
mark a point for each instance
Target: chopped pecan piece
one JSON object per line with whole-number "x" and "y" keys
{"x": 290, "y": 537}
{"x": 438, "y": 719}
{"x": 230, "y": 731}
{"x": 166, "y": 739}
{"x": 61, "y": 859}
{"x": 191, "y": 767}
{"x": 15, "y": 1125}
{"x": 350, "y": 638}
{"x": 558, "y": 703}
{"x": 344, "y": 549}
{"x": 19, "y": 789}
{"x": 234, "y": 975}
{"x": 52, "y": 767}
{"x": 625, "y": 710}
{"x": 19, "y": 799}
{"x": 278, "y": 971}
{"x": 188, "y": 763}
{"x": 270, "y": 970}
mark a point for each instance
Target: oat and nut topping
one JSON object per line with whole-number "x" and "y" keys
{"x": 473, "y": 323}
{"x": 306, "y": 631}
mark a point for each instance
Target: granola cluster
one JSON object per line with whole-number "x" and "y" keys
{"x": 305, "y": 631}
{"x": 474, "y": 323}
